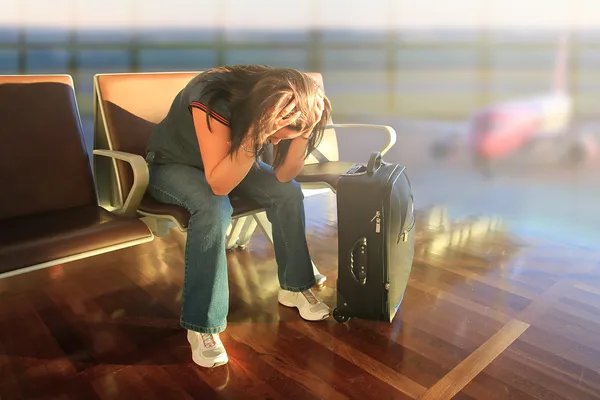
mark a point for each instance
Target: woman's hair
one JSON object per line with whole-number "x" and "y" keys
{"x": 256, "y": 95}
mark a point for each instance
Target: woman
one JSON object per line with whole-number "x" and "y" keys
{"x": 207, "y": 147}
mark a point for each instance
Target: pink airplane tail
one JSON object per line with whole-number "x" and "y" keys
{"x": 561, "y": 66}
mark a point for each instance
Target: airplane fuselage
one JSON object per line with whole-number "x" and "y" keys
{"x": 502, "y": 129}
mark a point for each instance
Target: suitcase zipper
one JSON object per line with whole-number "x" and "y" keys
{"x": 404, "y": 234}
{"x": 377, "y": 219}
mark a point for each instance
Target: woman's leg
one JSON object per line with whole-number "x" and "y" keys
{"x": 284, "y": 203}
{"x": 205, "y": 300}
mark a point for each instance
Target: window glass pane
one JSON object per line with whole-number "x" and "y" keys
{"x": 353, "y": 20}
{"x": 276, "y": 58}
{"x": 356, "y": 81}
{"x": 91, "y": 62}
{"x": 588, "y": 74}
{"x": 47, "y": 21}
{"x": 47, "y": 61}
{"x": 436, "y": 58}
{"x": 181, "y": 21}
{"x": 265, "y": 21}
{"x": 35, "y": 34}
{"x": 10, "y": 21}
{"x": 9, "y": 34}
{"x": 176, "y": 60}
{"x": 9, "y": 62}
{"x": 106, "y": 21}
{"x": 436, "y": 81}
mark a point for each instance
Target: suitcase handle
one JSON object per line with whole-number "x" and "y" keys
{"x": 374, "y": 162}
{"x": 358, "y": 261}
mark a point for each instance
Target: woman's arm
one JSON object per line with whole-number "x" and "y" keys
{"x": 294, "y": 160}
{"x": 223, "y": 173}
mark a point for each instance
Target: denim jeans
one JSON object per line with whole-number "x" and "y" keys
{"x": 205, "y": 300}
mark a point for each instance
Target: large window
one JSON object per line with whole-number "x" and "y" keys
{"x": 9, "y": 62}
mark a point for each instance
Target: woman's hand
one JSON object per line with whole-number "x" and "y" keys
{"x": 289, "y": 130}
{"x": 317, "y": 114}
{"x": 296, "y": 152}
{"x": 285, "y": 117}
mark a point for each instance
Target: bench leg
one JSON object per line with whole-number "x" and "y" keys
{"x": 247, "y": 231}
{"x": 180, "y": 238}
{"x": 265, "y": 225}
{"x": 159, "y": 227}
{"x": 234, "y": 232}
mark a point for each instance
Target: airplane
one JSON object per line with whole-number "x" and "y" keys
{"x": 503, "y": 129}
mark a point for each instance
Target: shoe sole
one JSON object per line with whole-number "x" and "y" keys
{"x": 214, "y": 365}
{"x": 300, "y": 312}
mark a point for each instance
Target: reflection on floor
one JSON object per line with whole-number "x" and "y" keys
{"x": 487, "y": 315}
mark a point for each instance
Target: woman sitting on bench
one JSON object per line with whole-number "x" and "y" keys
{"x": 207, "y": 147}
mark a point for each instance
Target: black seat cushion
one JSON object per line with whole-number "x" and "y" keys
{"x": 327, "y": 172}
{"x": 35, "y": 239}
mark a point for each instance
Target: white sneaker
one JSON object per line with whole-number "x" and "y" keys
{"x": 207, "y": 349}
{"x": 310, "y": 306}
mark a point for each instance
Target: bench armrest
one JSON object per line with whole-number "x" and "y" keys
{"x": 140, "y": 178}
{"x": 391, "y": 133}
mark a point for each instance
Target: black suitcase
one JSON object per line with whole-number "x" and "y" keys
{"x": 376, "y": 239}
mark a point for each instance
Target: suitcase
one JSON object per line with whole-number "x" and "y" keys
{"x": 376, "y": 237}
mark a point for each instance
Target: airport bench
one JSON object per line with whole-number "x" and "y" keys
{"x": 49, "y": 212}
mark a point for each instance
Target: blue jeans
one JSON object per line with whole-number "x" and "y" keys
{"x": 205, "y": 300}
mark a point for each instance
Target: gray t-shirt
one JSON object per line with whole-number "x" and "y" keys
{"x": 174, "y": 138}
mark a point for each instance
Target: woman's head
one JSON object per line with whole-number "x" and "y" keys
{"x": 257, "y": 94}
